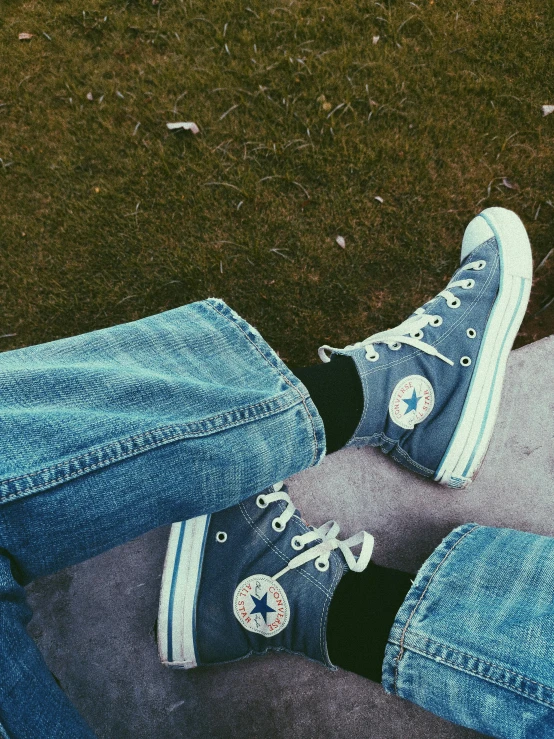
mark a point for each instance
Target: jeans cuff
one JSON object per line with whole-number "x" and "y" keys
{"x": 416, "y": 596}
{"x": 272, "y": 358}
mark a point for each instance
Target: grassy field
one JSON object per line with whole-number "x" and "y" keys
{"x": 308, "y": 111}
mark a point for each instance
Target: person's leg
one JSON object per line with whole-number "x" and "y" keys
{"x": 108, "y": 435}
{"x": 32, "y": 706}
{"x": 361, "y": 615}
{"x": 470, "y": 641}
{"x": 132, "y": 405}
{"x": 105, "y": 463}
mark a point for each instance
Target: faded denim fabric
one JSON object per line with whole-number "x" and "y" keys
{"x": 472, "y": 642}
{"x": 107, "y": 435}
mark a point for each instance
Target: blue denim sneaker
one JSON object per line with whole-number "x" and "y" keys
{"x": 250, "y": 579}
{"x": 432, "y": 385}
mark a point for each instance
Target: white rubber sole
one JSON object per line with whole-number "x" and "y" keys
{"x": 471, "y": 439}
{"x": 180, "y": 579}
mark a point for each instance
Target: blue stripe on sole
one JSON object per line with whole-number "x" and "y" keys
{"x": 172, "y": 594}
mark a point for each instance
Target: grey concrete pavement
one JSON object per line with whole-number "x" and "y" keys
{"x": 95, "y": 622}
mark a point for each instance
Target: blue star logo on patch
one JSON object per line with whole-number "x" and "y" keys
{"x": 260, "y": 606}
{"x": 412, "y": 402}
{"x": 271, "y": 611}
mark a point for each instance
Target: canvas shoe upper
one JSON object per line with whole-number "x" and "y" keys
{"x": 432, "y": 385}
{"x": 249, "y": 579}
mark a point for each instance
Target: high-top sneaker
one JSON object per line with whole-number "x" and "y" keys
{"x": 249, "y": 579}
{"x": 432, "y": 385}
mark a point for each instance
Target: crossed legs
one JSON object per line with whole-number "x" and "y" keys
{"x": 189, "y": 413}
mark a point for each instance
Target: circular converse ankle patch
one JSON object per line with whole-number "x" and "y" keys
{"x": 260, "y": 604}
{"x": 411, "y": 401}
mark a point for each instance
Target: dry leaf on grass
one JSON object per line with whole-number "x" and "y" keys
{"x": 185, "y": 126}
{"x": 510, "y": 185}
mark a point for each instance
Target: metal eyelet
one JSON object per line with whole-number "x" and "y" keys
{"x": 481, "y": 264}
{"x": 396, "y": 346}
{"x": 465, "y": 361}
{"x": 277, "y": 524}
{"x": 418, "y": 335}
{"x": 437, "y": 321}
{"x": 456, "y": 303}
{"x": 221, "y": 537}
{"x": 261, "y": 502}
{"x": 471, "y": 332}
{"x": 322, "y": 566}
{"x": 296, "y": 544}
{"x": 469, "y": 284}
{"x": 373, "y": 357}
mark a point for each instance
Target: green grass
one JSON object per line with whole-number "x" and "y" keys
{"x": 304, "y": 120}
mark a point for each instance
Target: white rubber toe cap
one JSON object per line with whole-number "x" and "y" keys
{"x": 475, "y": 234}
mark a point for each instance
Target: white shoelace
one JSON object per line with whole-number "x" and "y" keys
{"x": 410, "y": 331}
{"x": 327, "y": 533}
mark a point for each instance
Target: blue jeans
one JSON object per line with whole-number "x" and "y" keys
{"x": 107, "y": 435}
{"x": 472, "y": 641}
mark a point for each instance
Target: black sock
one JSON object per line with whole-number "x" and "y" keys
{"x": 336, "y": 390}
{"x": 364, "y": 604}
{"x": 361, "y": 615}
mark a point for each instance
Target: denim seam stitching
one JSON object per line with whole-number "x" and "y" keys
{"x": 479, "y": 659}
{"x": 380, "y": 437}
{"x": 283, "y": 377}
{"x": 277, "y": 551}
{"x": 398, "y": 657}
{"x": 127, "y": 439}
{"x": 301, "y": 527}
{"x": 179, "y": 436}
{"x": 445, "y": 661}
{"x": 398, "y": 450}
{"x": 324, "y": 610}
{"x": 157, "y": 429}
